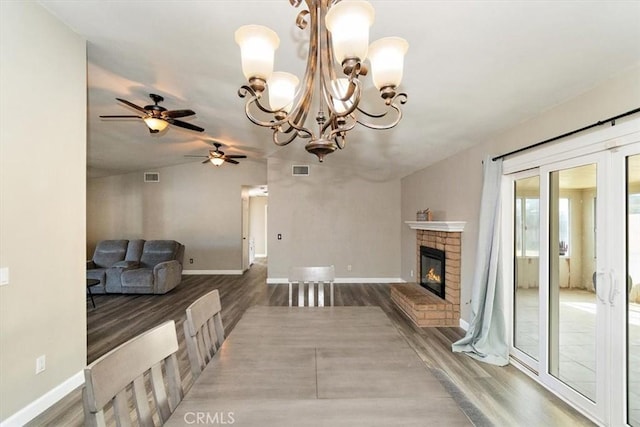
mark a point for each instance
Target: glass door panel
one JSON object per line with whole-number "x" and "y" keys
{"x": 573, "y": 306}
{"x": 633, "y": 289}
{"x": 526, "y": 303}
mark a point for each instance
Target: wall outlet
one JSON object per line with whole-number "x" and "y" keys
{"x": 349, "y": 267}
{"x": 190, "y": 260}
{"x": 41, "y": 364}
{"x": 4, "y": 276}
{"x": 411, "y": 273}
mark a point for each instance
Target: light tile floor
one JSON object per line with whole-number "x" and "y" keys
{"x": 577, "y": 345}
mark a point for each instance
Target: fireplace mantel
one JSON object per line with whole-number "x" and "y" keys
{"x": 450, "y": 226}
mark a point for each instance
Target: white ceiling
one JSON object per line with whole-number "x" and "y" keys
{"x": 473, "y": 69}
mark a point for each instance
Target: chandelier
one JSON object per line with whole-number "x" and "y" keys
{"x": 339, "y": 31}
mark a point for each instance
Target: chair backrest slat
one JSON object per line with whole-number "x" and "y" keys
{"x": 159, "y": 391}
{"x": 203, "y": 330}
{"x": 108, "y": 378}
{"x": 121, "y": 409}
{"x": 145, "y": 418}
{"x": 311, "y": 278}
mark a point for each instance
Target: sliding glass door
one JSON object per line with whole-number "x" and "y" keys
{"x": 576, "y": 280}
{"x": 526, "y": 267}
{"x": 577, "y": 311}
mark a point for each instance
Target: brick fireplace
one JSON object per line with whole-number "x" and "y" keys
{"x": 426, "y": 308}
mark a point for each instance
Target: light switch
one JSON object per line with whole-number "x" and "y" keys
{"x": 4, "y": 276}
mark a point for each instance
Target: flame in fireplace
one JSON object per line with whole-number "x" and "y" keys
{"x": 432, "y": 276}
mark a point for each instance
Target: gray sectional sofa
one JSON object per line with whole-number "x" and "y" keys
{"x": 136, "y": 266}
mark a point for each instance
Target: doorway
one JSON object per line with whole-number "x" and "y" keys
{"x": 254, "y": 224}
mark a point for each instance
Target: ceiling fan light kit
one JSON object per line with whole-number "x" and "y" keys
{"x": 156, "y": 117}
{"x": 217, "y": 157}
{"x": 340, "y": 30}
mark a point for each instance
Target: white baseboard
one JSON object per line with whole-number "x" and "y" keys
{"x": 464, "y": 325}
{"x": 44, "y": 402}
{"x": 369, "y": 280}
{"x": 219, "y": 272}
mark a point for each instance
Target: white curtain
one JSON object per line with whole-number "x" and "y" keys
{"x": 486, "y": 339}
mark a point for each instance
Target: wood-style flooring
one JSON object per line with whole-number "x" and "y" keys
{"x": 503, "y": 396}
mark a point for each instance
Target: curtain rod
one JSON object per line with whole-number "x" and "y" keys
{"x": 564, "y": 135}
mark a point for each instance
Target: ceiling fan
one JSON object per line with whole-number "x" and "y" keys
{"x": 217, "y": 157}
{"x": 156, "y": 117}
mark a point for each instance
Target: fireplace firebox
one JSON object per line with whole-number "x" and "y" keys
{"x": 432, "y": 270}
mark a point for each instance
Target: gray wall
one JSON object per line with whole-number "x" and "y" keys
{"x": 452, "y": 186}
{"x": 197, "y": 205}
{"x": 42, "y": 206}
{"x": 333, "y": 217}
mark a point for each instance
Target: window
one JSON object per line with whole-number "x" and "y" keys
{"x": 527, "y": 226}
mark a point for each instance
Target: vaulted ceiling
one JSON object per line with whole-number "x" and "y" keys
{"x": 473, "y": 69}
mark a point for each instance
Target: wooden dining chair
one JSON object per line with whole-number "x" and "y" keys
{"x": 124, "y": 368}
{"x": 311, "y": 278}
{"x": 203, "y": 330}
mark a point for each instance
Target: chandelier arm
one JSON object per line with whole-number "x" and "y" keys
{"x": 254, "y": 100}
{"x": 301, "y": 21}
{"x": 392, "y": 106}
{"x": 301, "y": 109}
{"x": 279, "y": 143}
{"x": 355, "y": 88}
{"x": 401, "y": 97}
{"x": 301, "y": 131}
{"x": 338, "y": 129}
{"x": 298, "y": 132}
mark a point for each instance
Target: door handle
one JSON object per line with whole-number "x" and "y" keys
{"x": 598, "y": 286}
{"x": 613, "y": 289}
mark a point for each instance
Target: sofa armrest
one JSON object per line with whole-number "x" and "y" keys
{"x": 91, "y": 265}
{"x": 166, "y": 276}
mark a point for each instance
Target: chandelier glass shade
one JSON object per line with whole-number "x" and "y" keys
{"x": 338, "y": 44}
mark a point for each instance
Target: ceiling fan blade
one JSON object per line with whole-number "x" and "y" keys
{"x": 206, "y": 161}
{"x": 228, "y": 160}
{"x": 193, "y": 155}
{"x": 132, "y": 105}
{"x": 236, "y": 156}
{"x": 185, "y": 125}
{"x": 120, "y": 117}
{"x": 174, "y": 114}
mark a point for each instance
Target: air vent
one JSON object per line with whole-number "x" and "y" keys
{"x": 151, "y": 177}
{"x": 300, "y": 170}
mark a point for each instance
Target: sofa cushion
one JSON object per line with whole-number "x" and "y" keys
{"x": 138, "y": 278}
{"x": 108, "y": 252}
{"x": 134, "y": 250}
{"x": 157, "y": 251}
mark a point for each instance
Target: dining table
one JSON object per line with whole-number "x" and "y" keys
{"x": 317, "y": 366}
